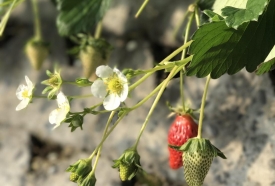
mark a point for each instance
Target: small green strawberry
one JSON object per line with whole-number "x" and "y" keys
{"x": 37, "y": 51}
{"x": 128, "y": 164}
{"x": 125, "y": 170}
{"x": 74, "y": 177}
{"x": 93, "y": 53}
{"x": 198, "y": 154}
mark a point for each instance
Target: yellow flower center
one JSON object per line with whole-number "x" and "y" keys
{"x": 54, "y": 81}
{"x": 114, "y": 84}
{"x": 25, "y": 94}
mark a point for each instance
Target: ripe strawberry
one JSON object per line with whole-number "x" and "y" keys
{"x": 197, "y": 158}
{"x": 180, "y": 131}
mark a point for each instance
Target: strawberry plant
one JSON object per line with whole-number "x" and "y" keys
{"x": 230, "y": 36}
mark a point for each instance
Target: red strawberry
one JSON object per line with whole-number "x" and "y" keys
{"x": 180, "y": 131}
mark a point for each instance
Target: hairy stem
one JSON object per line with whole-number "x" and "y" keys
{"x": 37, "y": 24}
{"x": 202, "y": 106}
{"x": 141, "y": 8}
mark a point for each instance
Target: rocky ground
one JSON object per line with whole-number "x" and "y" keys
{"x": 239, "y": 114}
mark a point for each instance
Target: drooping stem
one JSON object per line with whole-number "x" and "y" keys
{"x": 181, "y": 91}
{"x": 104, "y": 133}
{"x": 186, "y": 60}
{"x": 98, "y": 29}
{"x": 141, "y": 8}
{"x": 187, "y": 32}
{"x": 166, "y": 81}
{"x": 107, "y": 134}
{"x": 202, "y": 106}
{"x": 37, "y": 24}
{"x": 134, "y": 85}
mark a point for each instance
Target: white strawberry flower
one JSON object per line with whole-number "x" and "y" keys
{"x": 59, "y": 114}
{"x": 112, "y": 86}
{"x": 24, "y": 93}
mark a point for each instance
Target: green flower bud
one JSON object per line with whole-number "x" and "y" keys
{"x": 81, "y": 168}
{"x": 83, "y": 82}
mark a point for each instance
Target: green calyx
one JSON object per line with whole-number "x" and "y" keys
{"x": 89, "y": 180}
{"x": 128, "y": 164}
{"x": 201, "y": 145}
{"x": 53, "y": 83}
{"x": 80, "y": 170}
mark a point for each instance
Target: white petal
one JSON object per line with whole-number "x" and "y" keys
{"x": 29, "y": 83}
{"x": 99, "y": 88}
{"x": 124, "y": 93}
{"x": 104, "y": 71}
{"x": 23, "y": 104}
{"x": 53, "y": 116}
{"x": 120, "y": 75}
{"x": 60, "y": 117}
{"x": 20, "y": 90}
{"x": 111, "y": 102}
{"x": 62, "y": 100}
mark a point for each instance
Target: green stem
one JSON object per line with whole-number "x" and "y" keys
{"x": 34, "y": 96}
{"x": 202, "y": 106}
{"x": 187, "y": 32}
{"x": 197, "y": 16}
{"x": 141, "y": 8}
{"x": 107, "y": 134}
{"x": 165, "y": 82}
{"x": 98, "y": 29}
{"x": 157, "y": 88}
{"x": 74, "y": 83}
{"x": 37, "y": 24}
{"x": 81, "y": 96}
{"x": 134, "y": 85}
{"x": 104, "y": 133}
{"x": 181, "y": 91}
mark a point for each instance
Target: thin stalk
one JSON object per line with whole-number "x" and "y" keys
{"x": 166, "y": 81}
{"x": 104, "y": 133}
{"x": 187, "y": 33}
{"x": 34, "y": 96}
{"x": 81, "y": 96}
{"x": 181, "y": 91}
{"x": 134, "y": 85}
{"x": 197, "y": 16}
{"x": 157, "y": 88}
{"x": 107, "y": 134}
{"x": 98, "y": 29}
{"x": 202, "y": 106}
{"x": 37, "y": 24}
{"x": 141, "y": 8}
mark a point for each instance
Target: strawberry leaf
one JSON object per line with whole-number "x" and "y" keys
{"x": 218, "y": 49}
{"x": 79, "y": 16}
{"x": 237, "y": 16}
{"x": 266, "y": 67}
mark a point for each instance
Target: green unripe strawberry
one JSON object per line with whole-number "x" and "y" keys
{"x": 93, "y": 53}
{"x": 74, "y": 177}
{"x": 128, "y": 164}
{"x": 37, "y": 51}
{"x": 197, "y": 158}
{"x": 125, "y": 170}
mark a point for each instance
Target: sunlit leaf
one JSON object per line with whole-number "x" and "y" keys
{"x": 218, "y": 49}
{"x": 237, "y": 16}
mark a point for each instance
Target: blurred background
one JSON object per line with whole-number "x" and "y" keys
{"x": 239, "y": 113}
